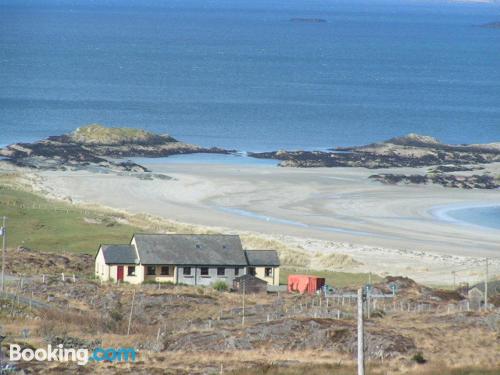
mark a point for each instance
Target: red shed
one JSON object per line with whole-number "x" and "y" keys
{"x": 305, "y": 283}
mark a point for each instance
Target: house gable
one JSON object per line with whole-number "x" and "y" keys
{"x": 119, "y": 254}
{"x": 261, "y": 258}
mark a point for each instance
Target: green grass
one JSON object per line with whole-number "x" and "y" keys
{"x": 98, "y": 134}
{"x": 332, "y": 278}
{"x": 44, "y": 225}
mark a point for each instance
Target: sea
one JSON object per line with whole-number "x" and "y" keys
{"x": 251, "y": 75}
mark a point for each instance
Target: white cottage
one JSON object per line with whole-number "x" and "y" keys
{"x": 192, "y": 259}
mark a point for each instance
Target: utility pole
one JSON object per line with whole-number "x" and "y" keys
{"x": 361, "y": 346}
{"x": 486, "y": 287}
{"x": 4, "y": 245}
{"x": 243, "y": 303}
{"x": 454, "y": 273}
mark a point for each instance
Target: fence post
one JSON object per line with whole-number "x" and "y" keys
{"x": 131, "y": 311}
{"x": 361, "y": 346}
{"x": 158, "y": 336}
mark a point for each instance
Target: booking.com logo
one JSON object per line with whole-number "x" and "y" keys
{"x": 80, "y": 356}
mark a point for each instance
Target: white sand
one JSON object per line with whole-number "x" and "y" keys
{"x": 388, "y": 228}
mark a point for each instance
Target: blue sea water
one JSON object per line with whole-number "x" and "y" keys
{"x": 239, "y": 74}
{"x": 484, "y": 216}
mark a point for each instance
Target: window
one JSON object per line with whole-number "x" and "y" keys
{"x": 268, "y": 271}
{"x": 165, "y": 270}
{"x": 204, "y": 271}
{"x": 221, "y": 271}
{"x": 236, "y": 271}
{"x": 131, "y": 271}
{"x": 186, "y": 271}
{"x": 251, "y": 271}
{"x": 150, "y": 270}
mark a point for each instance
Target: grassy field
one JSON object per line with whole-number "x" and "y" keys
{"x": 57, "y": 227}
{"x": 333, "y": 278}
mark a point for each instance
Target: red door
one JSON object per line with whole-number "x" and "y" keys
{"x": 119, "y": 273}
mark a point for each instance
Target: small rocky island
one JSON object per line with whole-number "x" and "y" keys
{"x": 412, "y": 150}
{"x": 491, "y": 25}
{"x": 307, "y": 20}
{"x": 96, "y": 146}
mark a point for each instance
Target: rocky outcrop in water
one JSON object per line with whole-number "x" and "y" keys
{"x": 446, "y": 180}
{"x": 96, "y": 146}
{"x": 491, "y": 25}
{"x": 307, "y": 20}
{"x": 412, "y": 150}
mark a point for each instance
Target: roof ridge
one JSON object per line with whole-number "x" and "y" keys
{"x": 261, "y": 250}
{"x": 115, "y": 244}
{"x": 186, "y": 234}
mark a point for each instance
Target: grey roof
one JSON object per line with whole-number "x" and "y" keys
{"x": 249, "y": 278}
{"x": 493, "y": 287}
{"x": 262, "y": 257}
{"x": 190, "y": 249}
{"x": 119, "y": 254}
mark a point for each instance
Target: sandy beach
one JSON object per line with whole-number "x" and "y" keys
{"x": 388, "y": 229}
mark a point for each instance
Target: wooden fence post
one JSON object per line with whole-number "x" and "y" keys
{"x": 361, "y": 346}
{"x": 131, "y": 311}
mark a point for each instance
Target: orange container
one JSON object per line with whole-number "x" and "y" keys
{"x": 305, "y": 283}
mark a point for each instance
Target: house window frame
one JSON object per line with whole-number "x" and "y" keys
{"x": 236, "y": 271}
{"x": 252, "y": 271}
{"x": 131, "y": 271}
{"x": 268, "y": 271}
{"x": 221, "y": 271}
{"x": 162, "y": 273}
{"x": 187, "y": 271}
{"x": 148, "y": 270}
{"x": 204, "y": 271}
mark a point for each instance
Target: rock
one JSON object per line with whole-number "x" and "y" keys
{"x": 73, "y": 342}
{"x": 453, "y": 168}
{"x": 447, "y": 180}
{"x": 491, "y": 25}
{"x": 416, "y": 140}
{"x": 412, "y": 150}
{"x": 307, "y": 20}
{"x": 91, "y": 147}
{"x": 295, "y": 334}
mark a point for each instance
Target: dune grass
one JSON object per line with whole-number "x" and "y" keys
{"x": 58, "y": 227}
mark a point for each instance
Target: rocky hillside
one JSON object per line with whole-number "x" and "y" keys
{"x": 91, "y": 146}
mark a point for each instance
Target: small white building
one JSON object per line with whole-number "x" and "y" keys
{"x": 191, "y": 259}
